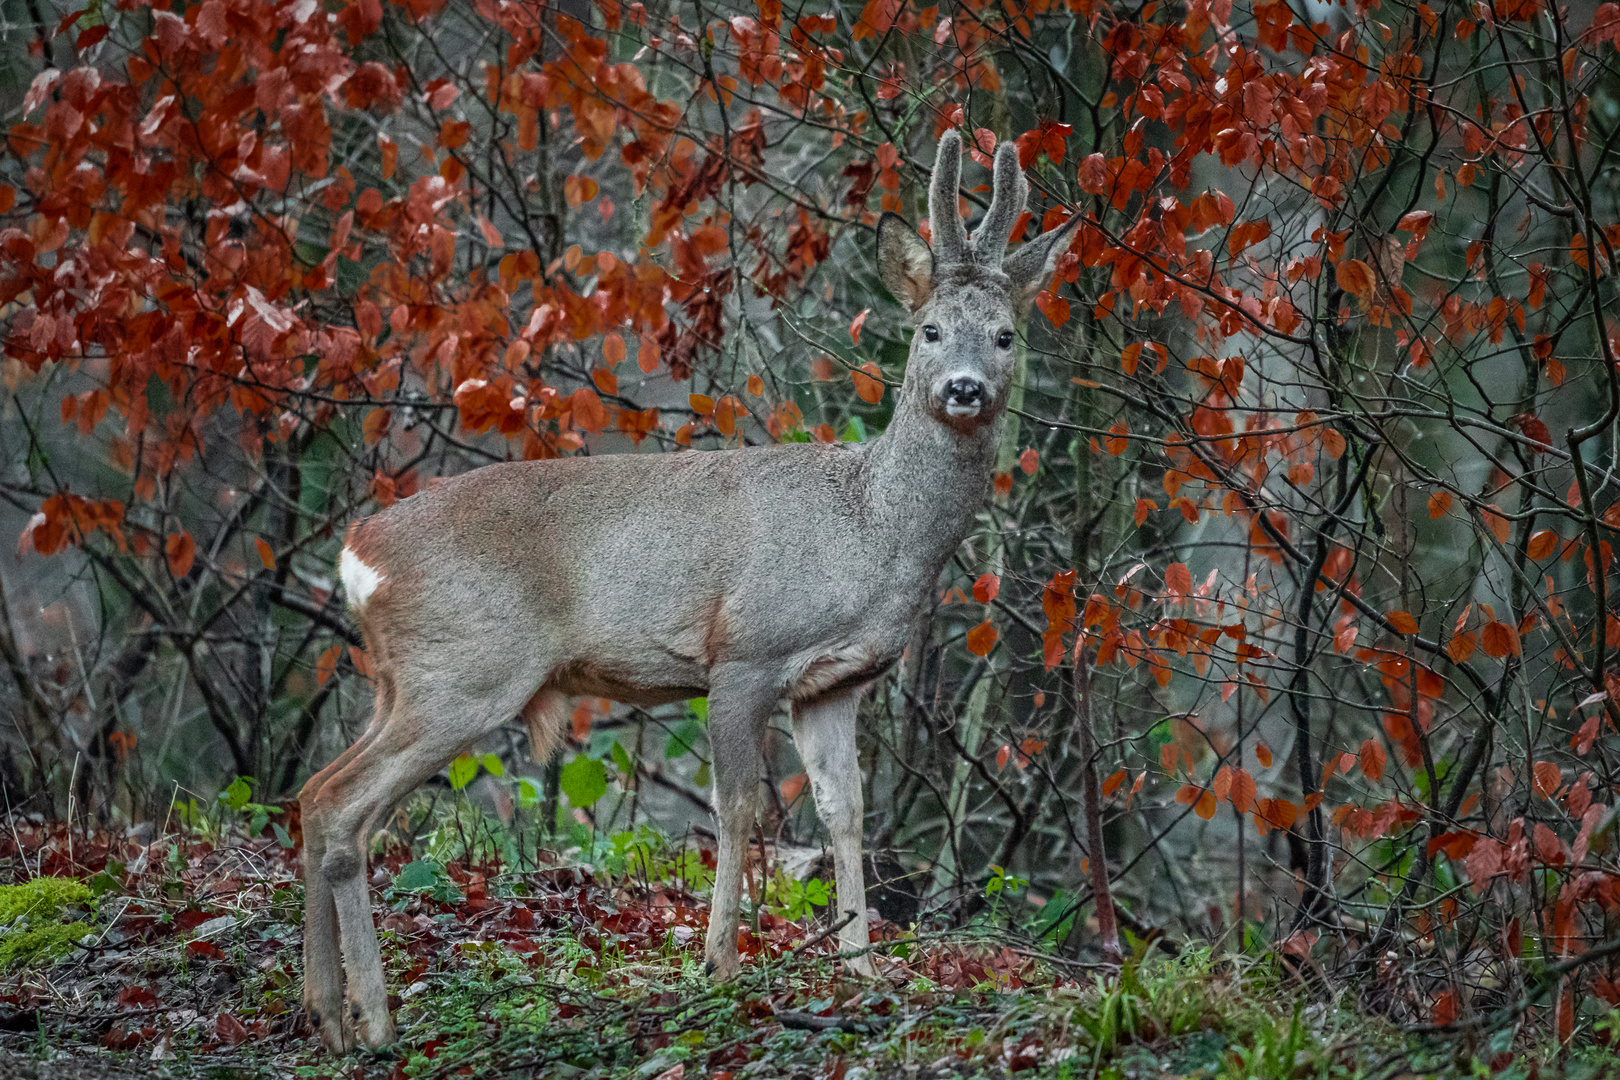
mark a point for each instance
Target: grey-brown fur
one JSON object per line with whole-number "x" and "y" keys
{"x": 793, "y": 571}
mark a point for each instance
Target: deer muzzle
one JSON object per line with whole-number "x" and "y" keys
{"x": 964, "y": 396}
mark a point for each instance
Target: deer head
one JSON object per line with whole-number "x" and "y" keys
{"x": 963, "y": 293}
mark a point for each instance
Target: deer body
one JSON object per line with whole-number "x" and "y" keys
{"x": 632, "y": 577}
{"x": 793, "y": 571}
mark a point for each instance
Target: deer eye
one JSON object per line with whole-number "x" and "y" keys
{"x": 930, "y": 332}
{"x": 1004, "y": 339}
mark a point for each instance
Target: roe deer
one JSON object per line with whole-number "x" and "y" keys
{"x": 748, "y": 575}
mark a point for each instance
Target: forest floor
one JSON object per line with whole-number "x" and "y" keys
{"x": 191, "y": 968}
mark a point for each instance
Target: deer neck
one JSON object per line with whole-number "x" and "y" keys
{"x": 928, "y": 480}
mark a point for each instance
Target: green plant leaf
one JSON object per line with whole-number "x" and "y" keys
{"x": 418, "y": 875}
{"x": 282, "y": 836}
{"x": 237, "y": 794}
{"x": 528, "y": 792}
{"x": 492, "y": 765}
{"x": 462, "y": 770}
{"x": 699, "y": 708}
{"x": 701, "y": 777}
{"x": 621, "y": 758}
{"x": 682, "y": 739}
{"x": 584, "y": 780}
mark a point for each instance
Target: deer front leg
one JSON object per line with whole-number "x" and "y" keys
{"x": 741, "y": 698}
{"x": 825, "y": 734}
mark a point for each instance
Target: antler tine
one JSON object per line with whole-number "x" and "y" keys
{"x": 950, "y": 235}
{"x": 1006, "y": 203}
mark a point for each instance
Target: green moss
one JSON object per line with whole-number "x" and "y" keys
{"x": 29, "y": 914}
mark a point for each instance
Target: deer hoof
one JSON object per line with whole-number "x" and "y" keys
{"x": 374, "y": 1032}
{"x": 721, "y": 970}
{"x": 329, "y": 1026}
{"x": 371, "y": 1028}
{"x": 861, "y": 967}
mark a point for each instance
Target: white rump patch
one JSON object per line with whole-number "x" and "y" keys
{"x": 359, "y": 580}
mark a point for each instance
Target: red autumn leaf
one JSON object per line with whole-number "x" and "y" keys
{"x": 1402, "y": 622}
{"x": 1355, "y": 277}
{"x": 205, "y": 949}
{"x": 982, "y": 638}
{"x": 1548, "y": 779}
{"x": 267, "y": 555}
{"x": 230, "y": 1030}
{"x": 327, "y": 664}
{"x": 792, "y": 786}
{"x": 1444, "y": 1010}
{"x": 180, "y": 550}
{"x": 986, "y": 588}
{"x": 1543, "y": 542}
{"x": 1058, "y": 605}
{"x": 136, "y": 996}
{"x": 1263, "y": 753}
{"x": 857, "y": 323}
{"x": 1046, "y": 138}
{"x": 1372, "y": 759}
{"x": 1110, "y": 785}
{"x": 1177, "y": 579}
{"x": 1498, "y": 639}
{"x": 1003, "y": 756}
{"x": 375, "y": 425}
{"x": 1055, "y": 308}
{"x": 1439, "y": 503}
{"x": 1415, "y": 221}
{"x": 578, "y": 190}
{"x": 1029, "y": 461}
{"x": 588, "y": 411}
{"x": 1118, "y": 439}
{"x": 727, "y": 412}
{"x": 868, "y": 383}
{"x": 1242, "y": 793}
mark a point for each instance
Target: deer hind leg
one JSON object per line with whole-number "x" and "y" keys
{"x": 418, "y": 739}
{"x": 740, "y": 702}
{"x": 323, "y": 963}
{"x": 825, "y": 734}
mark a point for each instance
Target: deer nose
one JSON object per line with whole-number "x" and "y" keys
{"x": 963, "y": 396}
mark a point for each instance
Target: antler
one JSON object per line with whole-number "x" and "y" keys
{"x": 949, "y": 234}
{"x": 1011, "y": 191}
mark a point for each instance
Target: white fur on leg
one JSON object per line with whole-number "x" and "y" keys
{"x": 825, "y": 734}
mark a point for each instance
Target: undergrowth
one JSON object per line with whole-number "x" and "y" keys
{"x": 30, "y": 919}
{"x": 507, "y": 958}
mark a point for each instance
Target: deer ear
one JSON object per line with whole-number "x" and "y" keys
{"x": 905, "y": 261}
{"x": 1031, "y": 266}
